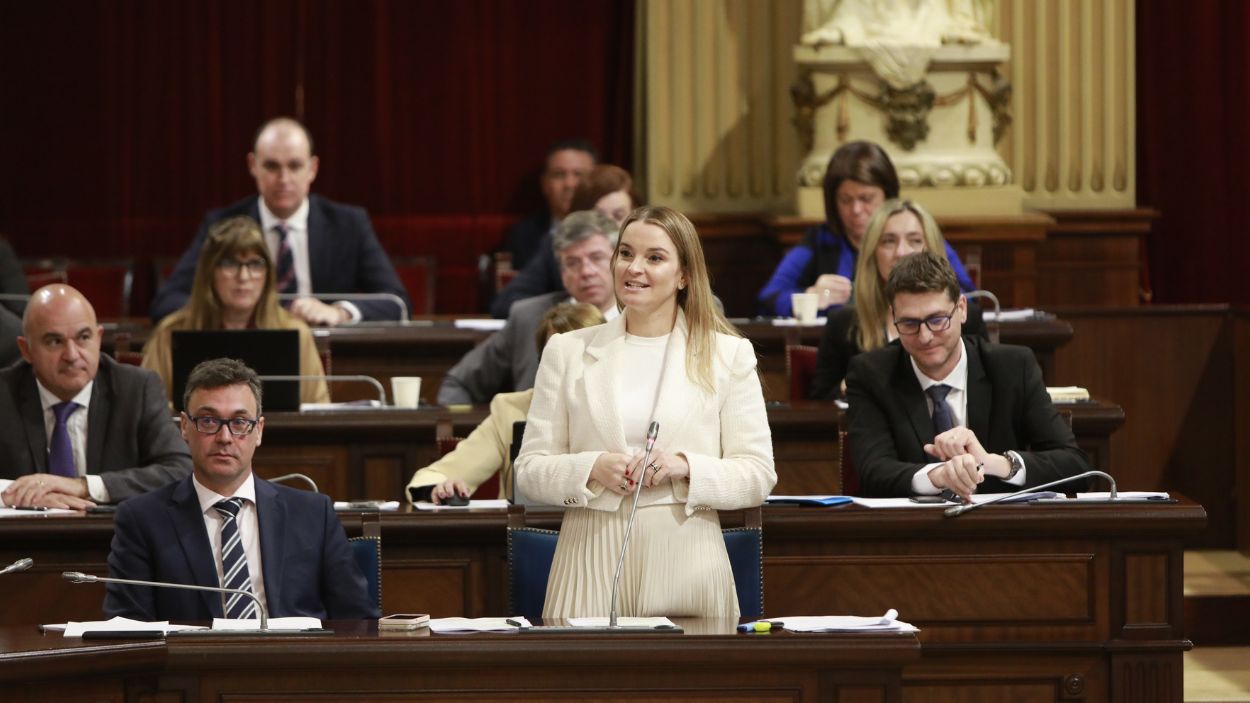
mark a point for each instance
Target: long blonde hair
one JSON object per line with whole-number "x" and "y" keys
{"x": 872, "y": 310}
{"x": 233, "y": 237}
{"x": 703, "y": 317}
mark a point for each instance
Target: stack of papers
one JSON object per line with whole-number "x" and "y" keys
{"x": 291, "y": 623}
{"x": 1009, "y": 315}
{"x": 484, "y": 324}
{"x": 34, "y": 512}
{"x": 845, "y": 623}
{"x": 976, "y": 498}
{"x": 1130, "y": 496}
{"x": 493, "y": 503}
{"x": 75, "y": 629}
{"x": 366, "y": 505}
{"x": 349, "y": 405}
{"x": 477, "y": 624}
{"x": 1067, "y": 394}
{"x": 659, "y": 623}
{"x": 808, "y": 500}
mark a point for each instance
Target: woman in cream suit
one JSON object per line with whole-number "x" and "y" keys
{"x": 485, "y": 451}
{"x": 672, "y": 357}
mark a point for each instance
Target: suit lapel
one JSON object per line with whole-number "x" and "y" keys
{"x": 31, "y": 409}
{"x": 271, "y": 516}
{"x": 980, "y": 392}
{"x": 600, "y": 373}
{"x": 907, "y": 389}
{"x": 188, "y": 523}
{"x": 317, "y": 254}
{"x": 98, "y": 415}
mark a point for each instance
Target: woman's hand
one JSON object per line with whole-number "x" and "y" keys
{"x": 444, "y": 490}
{"x": 611, "y": 470}
{"x": 663, "y": 467}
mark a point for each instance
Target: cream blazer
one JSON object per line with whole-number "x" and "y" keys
{"x": 575, "y": 417}
{"x": 486, "y": 450}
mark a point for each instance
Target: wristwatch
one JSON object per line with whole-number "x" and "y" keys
{"x": 1017, "y": 464}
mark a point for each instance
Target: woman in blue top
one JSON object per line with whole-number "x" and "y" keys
{"x": 859, "y": 178}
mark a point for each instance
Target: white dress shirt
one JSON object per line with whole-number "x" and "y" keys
{"x": 297, "y": 238}
{"x": 246, "y": 521}
{"x": 957, "y": 399}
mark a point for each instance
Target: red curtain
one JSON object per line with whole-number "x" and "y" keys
{"x": 1193, "y": 150}
{"x": 123, "y": 122}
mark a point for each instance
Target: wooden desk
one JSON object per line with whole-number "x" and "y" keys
{"x": 710, "y": 662}
{"x": 1026, "y": 602}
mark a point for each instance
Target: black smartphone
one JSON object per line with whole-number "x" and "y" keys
{"x": 929, "y": 500}
{"x": 94, "y": 509}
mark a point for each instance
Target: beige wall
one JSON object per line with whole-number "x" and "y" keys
{"x": 714, "y": 109}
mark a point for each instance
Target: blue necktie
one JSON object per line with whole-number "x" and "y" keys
{"x": 943, "y": 418}
{"x": 234, "y": 572}
{"x": 60, "y": 449}
{"x": 285, "y": 273}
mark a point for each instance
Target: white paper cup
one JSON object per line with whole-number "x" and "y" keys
{"x": 406, "y": 391}
{"x": 805, "y": 306}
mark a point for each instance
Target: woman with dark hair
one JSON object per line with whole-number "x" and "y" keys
{"x": 859, "y": 178}
{"x": 671, "y": 357}
{"x": 607, "y": 189}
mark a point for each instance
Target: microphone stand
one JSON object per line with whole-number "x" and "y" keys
{"x": 958, "y": 510}
{"x": 79, "y": 577}
{"x": 629, "y": 527}
{"x": 19, "y": 565}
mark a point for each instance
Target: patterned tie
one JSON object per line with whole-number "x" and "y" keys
{"x": 943, "y": 418}
{"x": 234, "y": 561}
{"x": 286, "y": 261}
{"x": 61, "y": 450}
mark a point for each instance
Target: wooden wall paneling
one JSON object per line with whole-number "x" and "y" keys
{"x": 1093, "y": 257}
{"x": 741, "y": 255}
{"x": 1241, "y": 425}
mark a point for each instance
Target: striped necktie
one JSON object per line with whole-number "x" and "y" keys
{"x": 234, "y": 572}
{"x": 285, "y": 273}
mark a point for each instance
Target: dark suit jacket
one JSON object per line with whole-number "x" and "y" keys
{"x": 131, "y": 441}
{"x": 838, "y": 345}
{"x": 506, "y": 361}
{"x": 344, "y": 256}
{"x": 1008, "y": 408}
{"x": 524, "y": 240}
{"x": 308, "y": 565}
{"x": 540, "y": 275}
{"x": 12, "y": 281}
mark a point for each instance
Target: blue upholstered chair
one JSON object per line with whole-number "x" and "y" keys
{"x": 367, "y": 549}
{"x": 531, "y": 549}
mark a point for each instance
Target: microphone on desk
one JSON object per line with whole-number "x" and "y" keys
{"x": 652, "y": 432}
{"x": 79, "y": 577}
{"x": 19, "y": 565}
{"x": 958, "y": 510}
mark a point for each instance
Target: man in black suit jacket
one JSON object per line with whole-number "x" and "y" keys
{"x": 122, "y": 442}
{"x": 1004, "y": 432}
{"x": 333, "y": 247}
{"x": 290, "y": 550}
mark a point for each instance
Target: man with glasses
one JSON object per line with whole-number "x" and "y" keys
{"x": 222, "y": 526}
{"x": 943, "y": 412}
{"x": 79, "y": 428}
{"x": 508, "y": 359}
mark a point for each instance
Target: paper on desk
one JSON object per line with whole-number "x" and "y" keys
{"x": 15, "y": 512}
{"x": 976, "y": 498}
{"x": 119, "y": 624}
{"x": 1009, "y": 315}
{"x": 846, "y": 623}
{"x": 492, "y": 503}
{"x": 486, "y": 324}
{"x": 374, "y": 505}
{"x": 822, "y": 500}
{"x": 291, "y": 623}
{"x": 792, "y": 322}
{"x": 655, "y": 622}
{"x": 1125, "y": 495}
{"x": 475, "y": 624}
{"x": 349, "y": 405}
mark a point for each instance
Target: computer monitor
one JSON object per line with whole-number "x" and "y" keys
{"x": 267, "y": 352}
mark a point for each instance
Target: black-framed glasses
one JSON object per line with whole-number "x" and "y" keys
{"x": 254, "y": 267}
{"x": 207, "y": 424}
{"x": 935, "y": 323}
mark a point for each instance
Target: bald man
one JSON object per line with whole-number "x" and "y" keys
{"x": 319, "y": 247}
{"x": 80, "y": 429}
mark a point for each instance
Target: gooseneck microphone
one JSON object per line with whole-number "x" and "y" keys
{"x": 79, "y": 577}
{"x": 19, "y": 565}
{"x": 958, "y": 510}
{"x": 652, "y": 431}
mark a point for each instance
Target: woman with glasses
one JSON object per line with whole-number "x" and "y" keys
{"x": 672, "y": 358}
{"x": 897, "y": 228}
{"x": 234, "y": 289}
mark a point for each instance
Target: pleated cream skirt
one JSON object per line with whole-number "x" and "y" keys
{"x": 676, "y": 566}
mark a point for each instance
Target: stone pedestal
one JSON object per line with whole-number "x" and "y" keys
{"x": 940, "y": 133}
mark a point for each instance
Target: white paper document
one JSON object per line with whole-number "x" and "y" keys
{"x": 656, "y": 623}
{"x": 486, "y": 325}
{"x": 792, "y": 322}
{"x": 34, "y": 512}
{"x": 292, "y": 623}
{"x": 1131, "y": 496}
{"x": 476, "y": 624}
{"x": 119, "y": 624}
{"x": 493, "y": 503}
{"x": 845, "y": 623}
{"x": 1009, "y": 315}
{"x": 366, "y": 505}
{"x": 976, "y": 498}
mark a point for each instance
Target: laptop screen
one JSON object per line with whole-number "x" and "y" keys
{"x": 267, "y": 352}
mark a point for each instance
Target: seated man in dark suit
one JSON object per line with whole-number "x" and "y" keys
{"x": 80, "y": 429}
{"x": 936, "y": 410}
{"x": 508, "y": 360}
{"x": 319, "y": 247}
{"x": 222, "y": 526}
{"x": 529, "y": 240}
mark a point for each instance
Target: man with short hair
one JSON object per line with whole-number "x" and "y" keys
{"x": 224, "y": 527}
{"x": 80, "y": 429}
{"x": 507, "y": 360}
{"x": 319, "y": 247}
{"x": 939, "y": 411}
{"x": 529, "y": 240}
